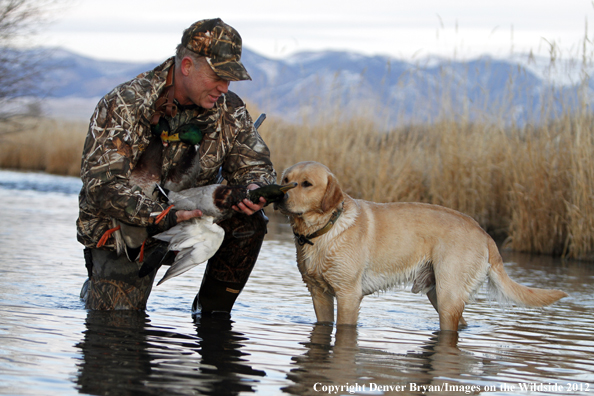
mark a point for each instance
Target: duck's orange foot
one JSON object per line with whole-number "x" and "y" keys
{"x": 162, "y": 215}
{"x": 106, "y": 236}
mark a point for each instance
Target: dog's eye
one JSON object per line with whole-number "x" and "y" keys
{"x": 286, "y": 180}
{"x": 306, "y": 184}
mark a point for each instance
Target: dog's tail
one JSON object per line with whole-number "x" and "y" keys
{"x": 506, "y": 290}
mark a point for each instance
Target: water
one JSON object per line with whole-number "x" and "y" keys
{"x": 50, "y": 345}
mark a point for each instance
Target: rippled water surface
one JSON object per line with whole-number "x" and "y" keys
{"x": 50, "y": 345}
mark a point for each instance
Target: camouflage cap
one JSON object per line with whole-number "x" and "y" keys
{"x": 220, "y": 44}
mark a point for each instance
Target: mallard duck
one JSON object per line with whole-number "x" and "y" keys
{"x": 129, "y": 239}
{"x": 217, "y": 200}
{"x": 195, "y": 241}
{"x": 198, "y": 239}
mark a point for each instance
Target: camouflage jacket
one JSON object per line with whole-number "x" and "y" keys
{"x": 120, "y": 132}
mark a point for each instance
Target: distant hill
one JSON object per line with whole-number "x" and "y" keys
{"x": 312, "y": 84}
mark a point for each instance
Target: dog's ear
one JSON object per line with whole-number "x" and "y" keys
{"x": 333, "y": 196}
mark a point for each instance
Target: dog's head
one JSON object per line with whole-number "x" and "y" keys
{"x": 317, "y": 191}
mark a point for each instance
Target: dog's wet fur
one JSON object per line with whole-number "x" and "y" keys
{"x": 373, "y": 246}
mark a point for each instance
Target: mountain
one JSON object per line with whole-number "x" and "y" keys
{"x": 315, "y": 84}
{"x": 78, "y": 76}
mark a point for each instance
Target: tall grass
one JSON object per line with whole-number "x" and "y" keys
{"x": 531, "y": 185}
{"x": 39, "y": 144}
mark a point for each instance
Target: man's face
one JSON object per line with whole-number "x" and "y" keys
{"x": 203, "y": 87}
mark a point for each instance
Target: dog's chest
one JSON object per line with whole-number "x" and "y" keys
{"x": 312, "y": 270}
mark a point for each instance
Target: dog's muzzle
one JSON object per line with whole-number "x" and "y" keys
{"x": 282, "y": 207}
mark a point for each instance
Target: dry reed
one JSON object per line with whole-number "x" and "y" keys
{"x": 46, "y": 145}
{"x": 533, "y": 185}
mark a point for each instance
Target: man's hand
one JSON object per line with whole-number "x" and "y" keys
{"x": 183, "y": 215}
{"x": 248, "y": 207}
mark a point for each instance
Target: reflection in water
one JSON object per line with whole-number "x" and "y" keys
{"x": 325, "y": 364}
{"x": 220, "y": 348}
{"x": 348, "y": 368}
{"x": 124, "y": 355}
{"x": 115, "y": 356}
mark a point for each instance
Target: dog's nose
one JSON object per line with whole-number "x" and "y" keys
{"x": 285, "y": 189}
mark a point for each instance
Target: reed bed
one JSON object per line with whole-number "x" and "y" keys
{"x": 532, "y": 186}
{"x": 39, "y": 144}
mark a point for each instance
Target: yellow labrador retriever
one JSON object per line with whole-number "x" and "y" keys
{"x": 348, "y": 248}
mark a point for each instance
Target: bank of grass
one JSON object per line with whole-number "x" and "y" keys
{"x": 40, "y": 144}
{"x": 532, "y": 186}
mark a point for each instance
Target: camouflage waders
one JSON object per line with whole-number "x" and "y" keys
{"x": 115, "y": 284}
{"x": 228, "y": 270}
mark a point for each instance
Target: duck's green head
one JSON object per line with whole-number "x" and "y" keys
{"x": 188, "y": 133}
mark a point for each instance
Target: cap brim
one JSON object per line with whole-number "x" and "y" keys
{"x": 229, "y": 70}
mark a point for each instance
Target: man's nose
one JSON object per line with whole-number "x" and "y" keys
{"x": 223, "y": 86}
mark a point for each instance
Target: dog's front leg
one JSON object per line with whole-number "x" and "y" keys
{"x": 347, "y": 306}
{"x": 323, "y": 303}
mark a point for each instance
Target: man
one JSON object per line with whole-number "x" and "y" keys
{"x": 135, "y": 141}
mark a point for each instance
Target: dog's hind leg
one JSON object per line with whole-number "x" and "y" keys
{"x": 425, "y": 282}
{"x": 432, "y": 295}
{"x": 450, "y": 314}
{"x": 451, "y": 292}
{"x": 323, "y": 303}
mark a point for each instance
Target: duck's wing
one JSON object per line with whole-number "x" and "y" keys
{"x": 197, "y": 240}
{"x": 195, "y": 198}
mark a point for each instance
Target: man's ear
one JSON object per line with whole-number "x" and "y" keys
{"x": 186, "y": 65}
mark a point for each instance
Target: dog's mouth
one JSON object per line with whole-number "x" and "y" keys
{"x": 281, "y": 207}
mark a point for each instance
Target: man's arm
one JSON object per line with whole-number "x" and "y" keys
{"x": 111, "y": 150}
{"x": 248, "y": 159}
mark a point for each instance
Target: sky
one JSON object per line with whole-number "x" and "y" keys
{"x": 149, "y": 30}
